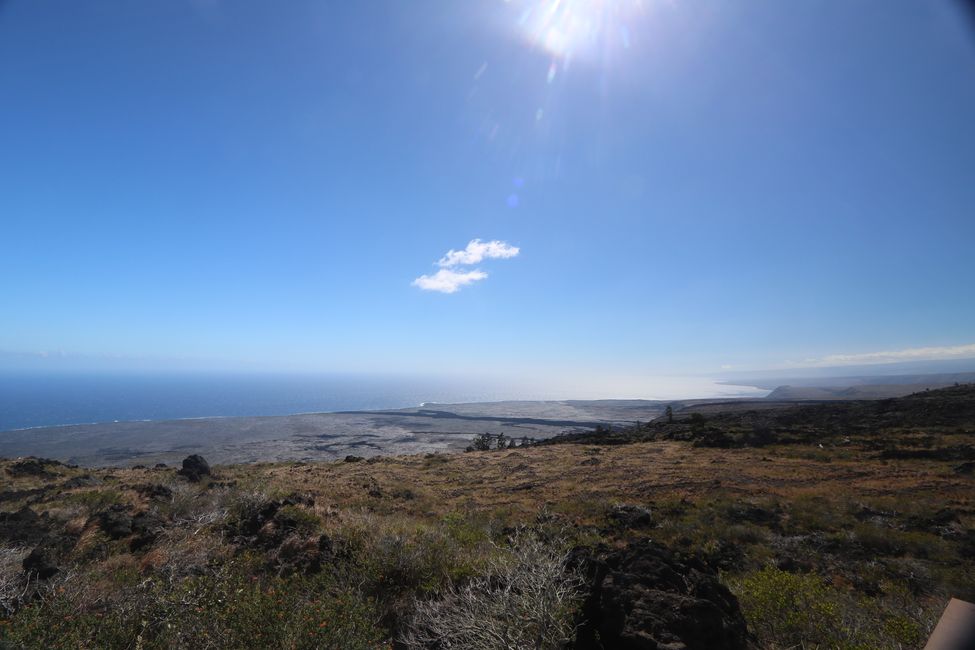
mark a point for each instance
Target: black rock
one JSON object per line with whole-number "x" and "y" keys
{"x": 31, "y": 495}
{"x": 33, "y": 467}
{"x": 147, "y": 526}
{"x": 160, "y": 465}
{"x": 85, "y": 480}
{"x": 353, "y": 459}
{"x": 115, "y": 522}
{"x": 943, "y": 517}
{"x": 23, "y": 527}
{"x": 262, "y": 525}
{"x": 645, "y": 597}
{"x": 195, "y": 467}
{"x": 43, "y": 560}
{"x": 794, "y": 564}
{"x": 965, "y": 468}
{"x": 751, "y": 513}
{"x": 630, "y": 516}
{"x": 155, "y": 491}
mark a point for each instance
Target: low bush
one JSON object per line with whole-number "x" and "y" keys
{"x": 527, "y": 599}
{"x": 786, "y": 610}
{"x": 229, "y": 609}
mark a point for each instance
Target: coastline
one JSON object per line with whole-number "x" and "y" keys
{"x": 317, "y": 436}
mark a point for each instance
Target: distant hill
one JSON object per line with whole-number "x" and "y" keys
{"x": 920, "y": 380}
{"x": 930, "y": 423}
{"x": 867, "y": 391}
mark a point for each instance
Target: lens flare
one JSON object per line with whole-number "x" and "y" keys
{"x": 568, "y": 29}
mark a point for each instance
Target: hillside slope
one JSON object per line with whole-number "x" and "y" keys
{"x": 850, "y": 525}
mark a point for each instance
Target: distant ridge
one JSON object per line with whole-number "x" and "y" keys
{"x": 868, "y": 391}
{"x": 857, "y": 387}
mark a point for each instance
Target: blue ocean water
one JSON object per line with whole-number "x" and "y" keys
{"x": 36, "y": 400}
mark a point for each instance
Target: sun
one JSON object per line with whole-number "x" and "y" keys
{"x": 568, "y": 29}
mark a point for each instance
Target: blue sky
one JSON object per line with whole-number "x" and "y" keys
{"x": 690, "y": 185}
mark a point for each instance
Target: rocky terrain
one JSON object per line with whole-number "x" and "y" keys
{"x": 318, "y": 436}
{"x": 817, "y": 526}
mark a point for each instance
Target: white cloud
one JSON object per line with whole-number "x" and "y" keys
{"x": 891, "y": 356}
{"x": 478, "y": 250}
{"x": 447, "y": 281}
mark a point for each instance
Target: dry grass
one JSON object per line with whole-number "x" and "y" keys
{"x": 413, "y": 531}
{"x": 519, "y": 481}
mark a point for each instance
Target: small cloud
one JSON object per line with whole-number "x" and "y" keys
{"x": 447, "y": 281}
{"x": 477, "y": 251}
{"x": 891, "y": 356}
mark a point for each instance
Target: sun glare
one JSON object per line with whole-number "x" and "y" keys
{"x": 569, "y": 29}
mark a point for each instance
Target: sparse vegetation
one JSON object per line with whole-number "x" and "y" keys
{"x": 526, "y": 598}
{"x": 362, "y": 554}
{"x": 789, "y": 610}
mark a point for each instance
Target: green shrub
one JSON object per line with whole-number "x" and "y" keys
{"x": 94, "y": 500}
{"x": 228, "y": 610}
{"x": 299, "y": 519}
{"x": 787, "y": 610}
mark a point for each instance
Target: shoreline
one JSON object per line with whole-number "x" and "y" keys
{"x": 317, "y": 435}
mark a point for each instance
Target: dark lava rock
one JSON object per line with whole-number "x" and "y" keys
{"x": 195, "y": 467}
{"x": 115, "y": 522}
{"x": 942, "y": 517}
{"x": 794, "y": 564}
{"x": 751, "y": 513}
{"x": 85, "y": 480}
{"x": 147, "y": 526}
{"x": 944, "y": 523}
{"x": 263, "y": 525}
{"x": 725, "y": 555}
{"x": 23, "y": 527}
{"x": 353, "y": 459}
{"x": 957, "y": 452}
{"x": 630, "y": 516}
{"x": 715, "y": 438}
{"x": 866, "y": 513}
{"x": 965, "y": 468}
{"x": 31, "y": 495}
{"x": 155, "y": 491}
{"x": 32, "y": 467}
{"x": 645, "y": 597}
{"x": 43, "y": 561}
{"x": 160, "y": 465}
{"x": 139, "y": 466}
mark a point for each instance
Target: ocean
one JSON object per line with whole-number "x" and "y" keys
{"x": 42, "y": 399}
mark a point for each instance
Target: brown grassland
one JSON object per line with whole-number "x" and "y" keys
{"x": 826, "y": 544}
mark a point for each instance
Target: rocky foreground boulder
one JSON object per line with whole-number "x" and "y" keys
{"x": 646, "y": 597}
{"x": 194, "y": 468}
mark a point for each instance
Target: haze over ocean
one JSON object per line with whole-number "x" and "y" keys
{"x": 40, "y": 399}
